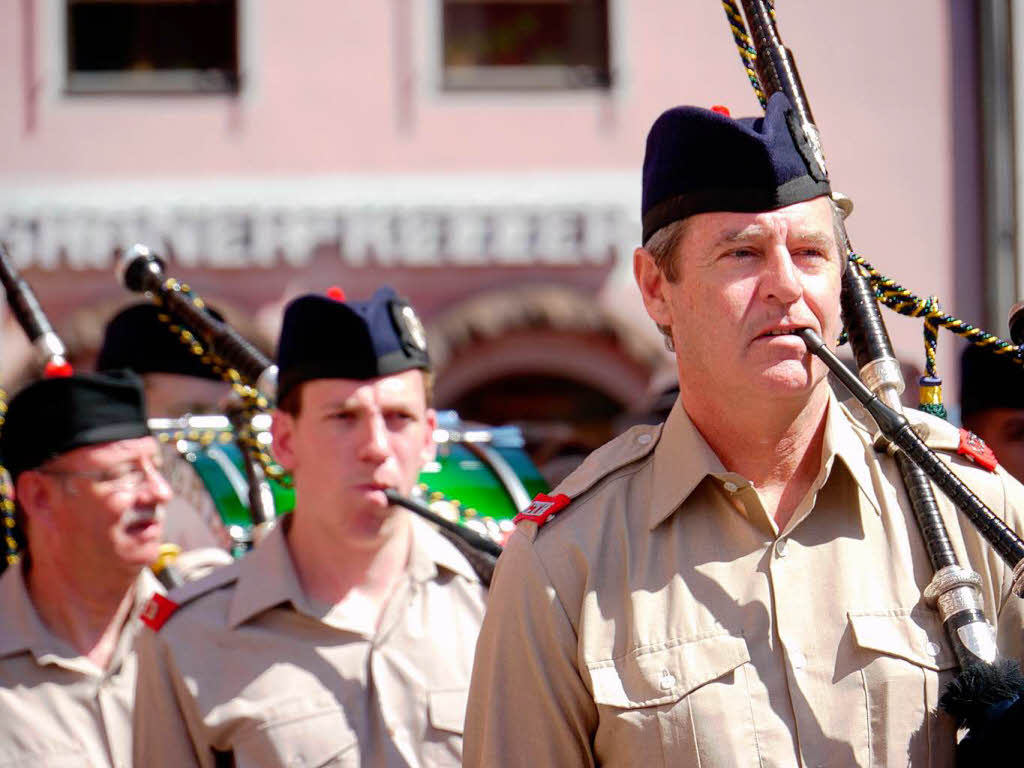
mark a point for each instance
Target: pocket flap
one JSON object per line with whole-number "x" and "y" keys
{"x": 447, "y": 709}
{"x": 308, "y": 736}
{"x": 658, "y": 674}
{"x": 918, "y": 639}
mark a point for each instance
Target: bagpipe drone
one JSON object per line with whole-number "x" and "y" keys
{"x": 987, "y": 698}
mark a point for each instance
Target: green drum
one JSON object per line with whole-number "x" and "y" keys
{"x": 481, "y": 477}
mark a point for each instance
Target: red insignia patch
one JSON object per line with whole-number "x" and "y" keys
{"x": 542, "y": 507}
{"x": 157, "y": 611}
{"x": 975, "y": 449}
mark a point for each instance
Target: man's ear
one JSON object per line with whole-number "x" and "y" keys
{"x": 652, "y": 284}
{"x": 282, "y": 429}
{"x": 35, "y": 493}
{"x": 430, "y": 447}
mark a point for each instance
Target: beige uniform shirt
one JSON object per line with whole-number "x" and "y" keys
{"x": 248, "y": 666}
{"x": 663, "y": 620}
{"x": 57, "y": 708}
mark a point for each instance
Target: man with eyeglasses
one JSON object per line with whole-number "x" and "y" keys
{"x": 89, "y": 497}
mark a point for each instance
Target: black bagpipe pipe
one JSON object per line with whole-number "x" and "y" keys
{"x": 51, "y": 356}
{"x": 895, "y": 427}
{"x": 143, "y": 272}
{"x": 481, "y": 552}
{"x": 987, "y": 687}
{"x": 50, "y": 350}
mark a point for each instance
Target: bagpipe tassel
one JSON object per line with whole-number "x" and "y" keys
{"x": 930, "y": 397}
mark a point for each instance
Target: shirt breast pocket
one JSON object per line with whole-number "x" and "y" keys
{"x": 308, "y": 740}
{"x": 906, "y": 662}
{"x": 446, "y": 714}
{"x": 670, "y": 702}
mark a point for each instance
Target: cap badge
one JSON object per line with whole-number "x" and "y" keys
{"x": 413, "y": 327}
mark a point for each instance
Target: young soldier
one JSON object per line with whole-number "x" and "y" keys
{"x": 89, "y": 497}
{"x": 742, "y": 585}
{"x": 346, "y": 637}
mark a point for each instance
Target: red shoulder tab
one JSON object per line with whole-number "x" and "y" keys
{"x": 542, "y": 507}
{"x": 157, "y": 611}
{"x": 975, "y": 449}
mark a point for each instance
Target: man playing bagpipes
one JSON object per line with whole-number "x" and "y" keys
{"x": 743, "y": 585}
{"x": 346, "y": 637}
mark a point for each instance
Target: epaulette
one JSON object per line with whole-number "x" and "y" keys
{"x": 977, "y": 450}
{"x": 942, "y": 436}
{"x": 939, "y": 435}
{"x": 632, "y": 445}
{"x": 157, "y": 611}
{"x": 161, "y": 607}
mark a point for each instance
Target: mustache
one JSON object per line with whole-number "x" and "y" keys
{"x": 137, "y": 515}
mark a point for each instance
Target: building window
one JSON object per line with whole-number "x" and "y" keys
{"x": 525, "y": 44}
{"x": 152, "y": 46}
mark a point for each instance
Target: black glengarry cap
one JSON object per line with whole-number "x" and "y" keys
{"x": 53, "y": 416}
{"x": 136, "y": 338}
{"x": 700, "y": 161}
{"x": 326, "y": 338}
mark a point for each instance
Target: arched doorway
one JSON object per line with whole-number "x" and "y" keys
{"x": 546, "y": 359}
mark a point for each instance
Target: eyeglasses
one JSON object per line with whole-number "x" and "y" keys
{"x": 128, "y": 479}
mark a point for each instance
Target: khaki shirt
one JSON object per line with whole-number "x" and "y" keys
{"x": 663, "y": 619}
{"x": 248, "y": 666}
{"x": 57, "y": 708}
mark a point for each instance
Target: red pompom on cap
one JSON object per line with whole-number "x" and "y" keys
{"x": 335, "y": 292}
{"x": 55, "y": 370}
{"x": 721, "y": 110}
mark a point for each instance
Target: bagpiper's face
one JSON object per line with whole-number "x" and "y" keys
{"x": 745, "y": 282}
{"x": 107, "y": 500}
{"x": 350, "y": 442}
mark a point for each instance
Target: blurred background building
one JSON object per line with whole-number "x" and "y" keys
{"x": 483, "y": 157}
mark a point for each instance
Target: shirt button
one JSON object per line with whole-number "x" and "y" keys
{"x": 932, "y": 648}
{"x": 730, "y": 487}
{"x": 798, "y": 660}
{"x": 668, "y": 680}
{"x": 643, "y": 438}
{"x": 781, "y": 546}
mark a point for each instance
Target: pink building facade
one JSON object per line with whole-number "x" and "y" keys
{"x": 350, "y": 154}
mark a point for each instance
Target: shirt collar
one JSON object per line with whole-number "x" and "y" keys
{"x": 682, "y": 459}
{"x": 267, "y": 576}
{"x": 23, "y": 630}
{"x": 847, "y": 440}
{"x": 431, "y": 550}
